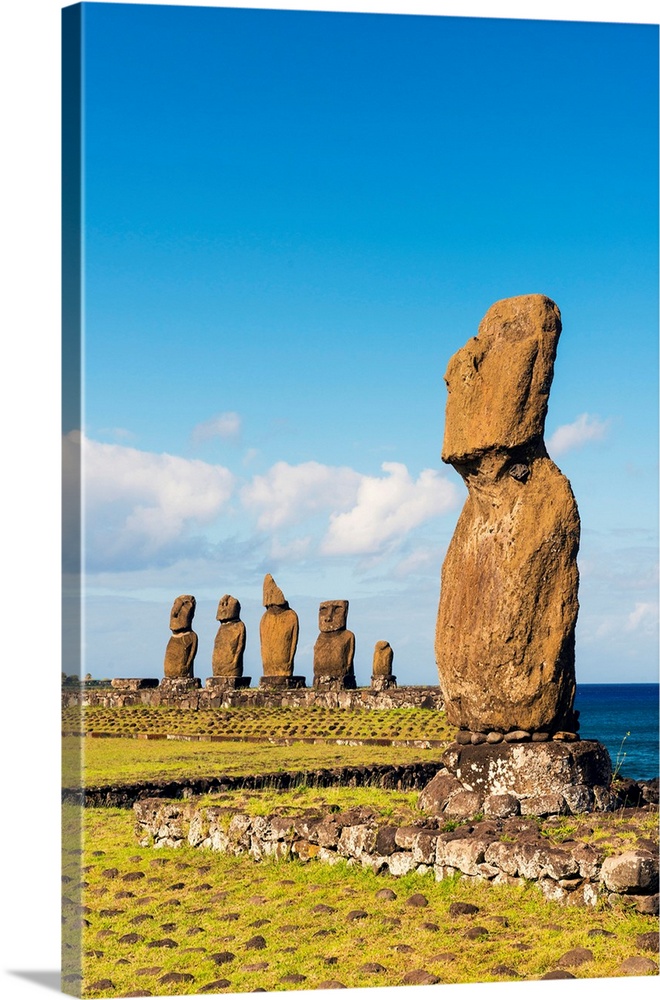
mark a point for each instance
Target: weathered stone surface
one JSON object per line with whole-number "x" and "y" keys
{"x": 638, "y": 965}
{"x": 500, "y": 806}
{"x": 631, "y": 872}
{"x": 134, "y": 683}
{"x": 229, "y": 644}
{"x": 464, "y": 804}
{"x": 383, "y": 659}
{"x": 526, "y": 769}
{"x": 278, "y": 632}
{"x": 182, "y": 647}
{"x": 334, "y": 649}
{"x": 506, "y": 622}
{"x": 434, "y": 797}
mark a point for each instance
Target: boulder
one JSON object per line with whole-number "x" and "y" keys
{"x": 631, "y": 872}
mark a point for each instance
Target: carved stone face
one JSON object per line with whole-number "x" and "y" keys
{"x": 229, "y": 609}
{"x": 182, "y": 613}
{"x": 332, "y": 616}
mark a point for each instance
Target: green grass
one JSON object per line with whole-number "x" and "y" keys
{"x": 263, "y": 723}
{"x": 123, "y": 761}
{"x": 524, "y": 932}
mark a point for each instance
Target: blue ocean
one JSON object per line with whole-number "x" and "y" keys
{"x": 625, "y": 718}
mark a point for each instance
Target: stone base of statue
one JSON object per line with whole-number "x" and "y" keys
{"x": 346, "y": 683}
{"x": 176, "y": 685}
{"x": 282, "y": 682}
{"x": 227, "y": 683}
{"x": 134, "y": 683}
{"x": 533, "y": 778}
{"x": 383, "y": 683}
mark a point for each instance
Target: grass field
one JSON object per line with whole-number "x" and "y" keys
{"x": 123, "y": 761}
{"x": 181, "y": 921}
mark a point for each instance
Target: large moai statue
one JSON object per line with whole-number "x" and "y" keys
{"x": 229, "y": 646}
{"x": 382, "y": 677}
{"x": 182, "y": 647}
{"x": 505, "y": 638}
{"x": 278, "y": 632}
{"x": 334, "y": 649}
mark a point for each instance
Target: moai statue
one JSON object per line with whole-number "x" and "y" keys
{"x": 334, "y": 649}
{"x": 381, "y": 671}
{"x": 505, "y": 638}
{"x": 278, "y": 632}
{"x": 230, "y": 640}
{"x": 181, "y": 649}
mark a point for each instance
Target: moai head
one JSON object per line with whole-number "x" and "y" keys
{"x": 229, "y": 609}
{"x": 332, "y": 616}
{"x": 273, "y": 596}
{"x": 182, "y": 613}
{"x": 498, "y": 383}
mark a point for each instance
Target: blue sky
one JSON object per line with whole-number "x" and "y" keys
{"x": 292, "y": 221}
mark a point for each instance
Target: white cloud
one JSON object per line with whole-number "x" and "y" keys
{"x": 387, "y": 508}
{"x": 140, "y": 505}
{"x": 288, "y": 494}
{"x": 223, "y": 425}
{"x": 584, "y": 428}
{"x": 644, "y": 617}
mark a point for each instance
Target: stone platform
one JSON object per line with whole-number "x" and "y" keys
{"x": 506, "y": 779}
{"x": 197, "y": 697}
{"x": 275, "y": 682}
{"x": 227, "y": 683}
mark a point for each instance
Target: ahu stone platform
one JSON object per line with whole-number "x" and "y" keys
{"x": 191, "y": 694}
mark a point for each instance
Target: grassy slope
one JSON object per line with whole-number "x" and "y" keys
{"x": 262, "y": 723}
{"x": 178, "y": 896}
{"x": 122, "y": 761}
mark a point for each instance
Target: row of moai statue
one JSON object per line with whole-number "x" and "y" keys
{"x": 334, "y": 650}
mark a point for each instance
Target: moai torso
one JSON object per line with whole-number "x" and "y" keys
{"x": 505, "y": 633}
{"x": 230, "y": 639}
{"x": 334, "y": 649}
{"x": 278, "y": 632}
{"x": 182, "y": 647}
{"x": 383, "y": 659}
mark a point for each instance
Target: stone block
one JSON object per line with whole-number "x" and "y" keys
{"x": 279, "y": 682}
{"x": 632, "y": 872}
{"x": 218, "y": 684}
{"x": 134, "y": 683}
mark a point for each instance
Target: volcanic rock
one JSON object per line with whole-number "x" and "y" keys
{"x": 278, "y": 632}
{"x": 505, "y": 637}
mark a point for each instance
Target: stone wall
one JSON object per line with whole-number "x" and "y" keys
{"x": 510, "y": 851}
{"x": 202, "y": 697}
{"x": 402, "y": 777}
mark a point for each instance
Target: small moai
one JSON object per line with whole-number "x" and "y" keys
{"x": 229, "y": 646}
{"x": 278, "y": 633}
{"x": 334, "y": 649}
{"x": 182, "y": 647}
{"x": 382, "y": 677}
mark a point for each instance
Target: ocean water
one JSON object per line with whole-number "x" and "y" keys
{"x": 625, "y": 718}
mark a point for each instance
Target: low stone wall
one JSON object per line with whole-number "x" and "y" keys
{"x": 509, "y": 851}
{"x": 403, "y": 777}
{"x": 203, "y": 697}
